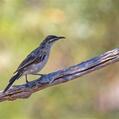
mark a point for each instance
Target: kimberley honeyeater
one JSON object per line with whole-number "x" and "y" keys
{"x": 35, "y": 61}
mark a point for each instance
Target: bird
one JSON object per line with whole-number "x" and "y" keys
{"x": 34, "y": 61}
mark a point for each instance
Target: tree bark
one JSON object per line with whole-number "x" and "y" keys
{"x": 25, "y": 90}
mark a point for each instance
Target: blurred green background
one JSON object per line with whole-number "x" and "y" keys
{"x": 91, "y": 28}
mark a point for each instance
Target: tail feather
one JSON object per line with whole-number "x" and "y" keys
{"x": 12, "y": 80}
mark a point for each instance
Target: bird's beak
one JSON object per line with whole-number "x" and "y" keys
{"x": 61, "y": 37}
{"x": 58, "y": 38}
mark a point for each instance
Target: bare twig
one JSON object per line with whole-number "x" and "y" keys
{"x": 61, "y": 76}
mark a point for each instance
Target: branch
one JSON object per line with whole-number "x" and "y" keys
{"x": 61, "y": 76}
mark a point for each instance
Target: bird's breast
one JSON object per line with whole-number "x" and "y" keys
{"x": 34, "y": 68}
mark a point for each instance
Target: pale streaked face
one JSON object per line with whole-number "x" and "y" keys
{"x": 51, "y": 38}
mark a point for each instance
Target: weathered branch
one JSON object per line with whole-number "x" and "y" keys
{"x": 61, "y": 76}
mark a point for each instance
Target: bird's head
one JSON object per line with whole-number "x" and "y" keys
{"x": 51, "y": 39}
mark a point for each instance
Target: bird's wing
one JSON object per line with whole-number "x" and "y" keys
{"x": 32, "y": 58}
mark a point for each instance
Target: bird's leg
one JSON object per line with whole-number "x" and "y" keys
{"x": 26, "y": 79}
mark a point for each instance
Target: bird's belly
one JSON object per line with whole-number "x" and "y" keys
{"x": 34, "y": 68}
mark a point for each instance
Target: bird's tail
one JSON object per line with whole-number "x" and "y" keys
{"x": 11, "y": 81}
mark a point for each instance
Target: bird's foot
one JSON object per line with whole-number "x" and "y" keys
{"x": 27, "y": 81}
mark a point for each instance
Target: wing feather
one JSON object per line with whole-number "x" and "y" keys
{"x": 32, "y": 58}
{"x": 28, "y": 60}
